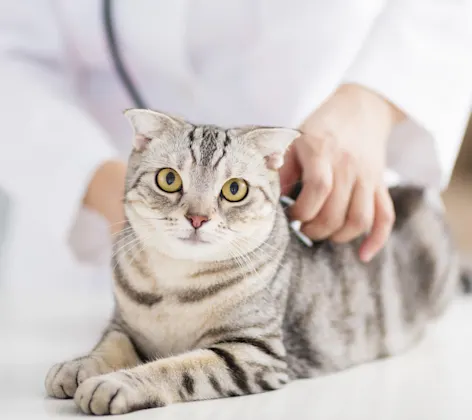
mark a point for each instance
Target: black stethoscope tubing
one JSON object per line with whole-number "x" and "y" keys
{"x": 116, "y": 56}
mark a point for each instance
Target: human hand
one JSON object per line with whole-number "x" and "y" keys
{"x": 340, "y": 160}
{"x": 105, "y": 193}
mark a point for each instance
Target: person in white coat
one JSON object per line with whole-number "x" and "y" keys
{"x": 381, "y": 89}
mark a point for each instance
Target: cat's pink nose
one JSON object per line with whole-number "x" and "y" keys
{"x": 196, "y": 220}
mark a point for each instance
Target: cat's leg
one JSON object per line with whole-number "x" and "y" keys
{"x": 234, "y": 367}
{"x": 113, "y": 352}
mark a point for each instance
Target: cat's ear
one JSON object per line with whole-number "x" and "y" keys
{"x": 149, "y": 124}
{"x": 272, "y": 143}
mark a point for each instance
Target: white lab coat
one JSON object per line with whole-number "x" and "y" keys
{"x": 224, "y": 62}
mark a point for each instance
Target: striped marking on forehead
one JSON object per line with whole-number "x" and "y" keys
{"x": 208, "y": 145}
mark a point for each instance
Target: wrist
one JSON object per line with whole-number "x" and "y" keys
{"x": 105, "y": 193}
{"x": 395, "y": 114}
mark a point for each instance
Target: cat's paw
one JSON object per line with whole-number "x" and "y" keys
{"x": 113, "y": 393}
{"x": 63, "y": 379}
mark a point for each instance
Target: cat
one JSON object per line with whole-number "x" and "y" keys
{"x": 217, "y": 297}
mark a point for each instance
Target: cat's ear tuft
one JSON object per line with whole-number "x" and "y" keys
{"x": 272, "y": 143}
{"x": 148, "y": 124}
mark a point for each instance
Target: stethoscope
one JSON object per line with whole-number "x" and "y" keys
{"x": 140, "y": 103}
{"x": 116, "y": 56}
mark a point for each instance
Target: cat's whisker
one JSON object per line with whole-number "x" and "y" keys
{"x": 259, "y": 249}
{"x": 124, "y": 251}
{"x": 117, "y": 223}
{"x": 122, "y": 231}
{"x": 247, "y": 259}
{"x": 136, "y": 242}
{"x": 250, "y": 242}
{"x": 234, "y": 256}
{"x": 138, "y": 251}
{"x": 119, "y": 241}
{"x": 127, "y": 233}
{"x": 121, "y": 248}
{"x": 237, "y": 257}
{"x": 129, "y": 228}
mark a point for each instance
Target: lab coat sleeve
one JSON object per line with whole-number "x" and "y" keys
{"x": 49, "y": 146}
{"x": 418, "y": 55}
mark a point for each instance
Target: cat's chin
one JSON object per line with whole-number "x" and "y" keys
{"x": 192, "y": 249}
{"x": 194, "y": 239}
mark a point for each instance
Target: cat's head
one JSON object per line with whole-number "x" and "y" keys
{"x": 203, "y": 192}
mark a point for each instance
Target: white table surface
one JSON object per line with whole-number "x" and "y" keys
{"x": 432, "y": 381}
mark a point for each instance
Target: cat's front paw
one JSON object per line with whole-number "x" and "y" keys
{"x": 114, "y": 393}
{"x": 63, "y": 379}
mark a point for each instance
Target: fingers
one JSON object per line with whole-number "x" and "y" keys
{"x": 315, "y": 160}
{"x": 382, "y": 227}
{"x": 360, "y": 215}
{"x": 338, "y": 200}
{"x": 317, "y": 185}
{"x": 332, "y": 216}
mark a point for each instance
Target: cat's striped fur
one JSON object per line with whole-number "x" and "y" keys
{"x": 248, "y": 311}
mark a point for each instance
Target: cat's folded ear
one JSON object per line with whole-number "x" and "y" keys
{"x": 148, "y": 124}
{"x": 272, "y": 142}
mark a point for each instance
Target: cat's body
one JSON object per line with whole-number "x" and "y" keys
{"x": 346, "y": 313}
{"x": 244, "y": 307}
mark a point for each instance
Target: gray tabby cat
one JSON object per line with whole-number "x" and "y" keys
{"x": 216, "y": 298}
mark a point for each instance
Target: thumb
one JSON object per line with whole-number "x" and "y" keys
{"x": 290, "y": 171}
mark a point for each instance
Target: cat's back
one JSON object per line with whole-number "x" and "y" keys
{"x": 347, "y": 312}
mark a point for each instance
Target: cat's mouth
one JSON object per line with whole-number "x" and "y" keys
{"x": 194, "y": 238}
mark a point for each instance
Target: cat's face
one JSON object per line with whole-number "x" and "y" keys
{"x": 199, "y": 192}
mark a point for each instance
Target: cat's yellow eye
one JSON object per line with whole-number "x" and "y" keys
{"x": 235, "y": 189}
{"x": 168, "y": 180}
